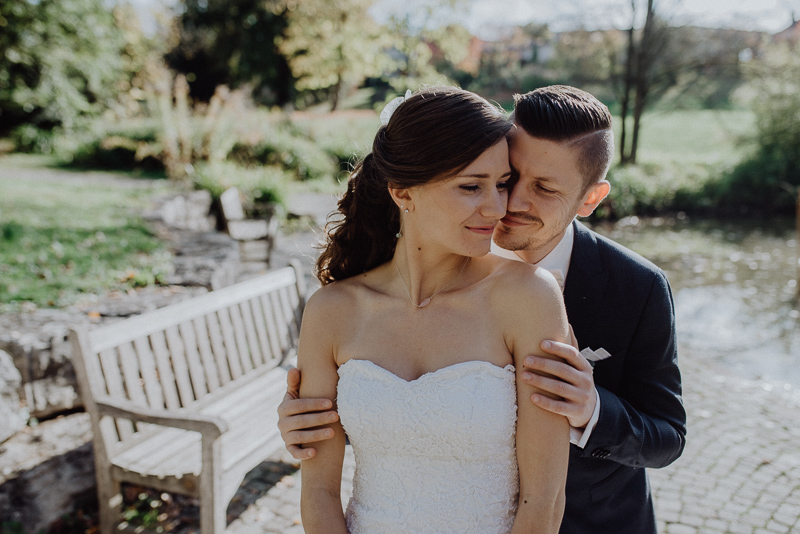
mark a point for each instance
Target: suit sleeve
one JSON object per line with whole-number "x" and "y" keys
{"x": 644, "y": 423}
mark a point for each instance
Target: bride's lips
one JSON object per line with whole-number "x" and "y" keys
{"x": 483, "y": 230}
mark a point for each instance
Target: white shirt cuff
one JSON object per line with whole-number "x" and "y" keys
{"x": 579, "y": 436}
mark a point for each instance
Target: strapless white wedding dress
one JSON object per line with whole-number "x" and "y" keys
{"x": 434, "y": 455}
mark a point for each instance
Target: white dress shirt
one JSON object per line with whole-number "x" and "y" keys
{"x": 557, "y": 262}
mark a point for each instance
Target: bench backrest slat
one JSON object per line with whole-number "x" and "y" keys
{"x": 147, "y": 365}
{"x": 260, "y": 328}
{"x": 229, "y": 340}
{"x": 257, "y": 354}
{"x": 179, "y": 366}
{"x": 166, "y": 376}
{"x": 131, "y": 374}
{"x": 271, "y": 325}
{"x": 114, "y": 386}
{"x": 244, "y": 348}
{"x": 218, "y": 348}
{"x": 206, "y": 354}
{"x": 200, "y": 381}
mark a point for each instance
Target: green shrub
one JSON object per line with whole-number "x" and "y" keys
{"x": 257, "y": 184}
{"x": 766, "y": 182}
{"x": 769, "y": 179}
{"x": 649, "y": 189}
{"x": 130, "y": 145}
{"x": 32, "y": 139}
{"x": 288, "y": 150}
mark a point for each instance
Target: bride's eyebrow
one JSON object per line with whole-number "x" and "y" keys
{"x": 481, "y": 175}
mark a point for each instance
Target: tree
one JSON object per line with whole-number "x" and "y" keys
{"x": 233, "y": 43}
{"x": 660, "y": 59}
{"x": 331, "y": 46}
{"x": 59, "y": 62}
{"x": 639, "y": 73}
{"x": 769, "y": 179}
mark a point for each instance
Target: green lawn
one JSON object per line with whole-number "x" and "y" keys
{"x": 693, "y": 137}
{"x": 63, "y": 238}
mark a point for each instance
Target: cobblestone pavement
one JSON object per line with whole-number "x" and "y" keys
{"x": 739, "y": 473}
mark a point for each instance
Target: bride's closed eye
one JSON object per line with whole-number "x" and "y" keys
{"x": 470, "y": 188}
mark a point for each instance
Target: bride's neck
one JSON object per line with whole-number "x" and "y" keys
{"x": 425, "y": 271}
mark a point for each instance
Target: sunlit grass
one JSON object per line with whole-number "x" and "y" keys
{"x": 63, "y": 240}
{"x": 693, "y": 136}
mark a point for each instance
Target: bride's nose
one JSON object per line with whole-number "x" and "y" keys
{"x": 495, "y": 206}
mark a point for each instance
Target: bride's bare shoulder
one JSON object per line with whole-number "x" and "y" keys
{"x": 514, "y": 275}
{"x": 342, "y": 295}
{"x": 516, "y": 285}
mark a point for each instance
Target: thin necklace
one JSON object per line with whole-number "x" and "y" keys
{"x": 428, "y": 300}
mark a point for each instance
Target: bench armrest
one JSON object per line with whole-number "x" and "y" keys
{"x": 209, "y": 426}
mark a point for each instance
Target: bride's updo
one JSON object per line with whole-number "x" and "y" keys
{"x": 433, "y": 135}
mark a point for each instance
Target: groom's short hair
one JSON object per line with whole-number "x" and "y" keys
{"x": 569, "y": 115}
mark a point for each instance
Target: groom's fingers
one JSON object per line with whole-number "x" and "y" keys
{"x": 292, "y": 384}
{"x": 298, "y": 453}
{"x": 552, "y": 387}
{"x": 551, "y": 405}
{"x": 292, "y": 407}
{"x": 568, "y": 353}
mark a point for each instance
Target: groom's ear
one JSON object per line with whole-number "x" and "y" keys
{"x": 596, "y": 193}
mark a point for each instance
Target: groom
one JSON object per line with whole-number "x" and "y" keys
{"x": 626, "y": 412}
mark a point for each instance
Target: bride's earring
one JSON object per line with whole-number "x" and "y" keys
{"x": 398, "y": 235}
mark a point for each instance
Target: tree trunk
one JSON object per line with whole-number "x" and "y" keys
{"x": 627, "y": 88}
{"x": 336, "y": 89}
{"x": 644, "y": 60}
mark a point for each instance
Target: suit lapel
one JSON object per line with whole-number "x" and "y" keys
{"x": 585, "y": 284}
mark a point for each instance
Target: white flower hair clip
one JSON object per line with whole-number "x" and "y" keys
{"x": 393, "y": 104}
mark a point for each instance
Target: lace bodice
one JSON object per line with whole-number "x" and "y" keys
{"x": 433, "y": 455}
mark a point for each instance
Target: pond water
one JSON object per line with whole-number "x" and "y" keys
{"x": 735, "y": 288}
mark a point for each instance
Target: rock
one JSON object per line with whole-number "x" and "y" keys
{"x": 185, "y": 211}
{"x": 12, "y": 416}
{"x": 45, "y": 471}
{"x": 206, "y": 259}
{"x": 39, "y": 350}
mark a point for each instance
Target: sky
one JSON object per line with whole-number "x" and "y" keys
{"x": 479, "y": 15}
{"x": 482, "y": 17}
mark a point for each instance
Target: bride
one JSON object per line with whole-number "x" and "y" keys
{"x": 416, "y": 335}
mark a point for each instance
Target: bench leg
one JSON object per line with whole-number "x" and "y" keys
{"x": 212, "y": 505}
{"x": 213, "y": 518}
{"x": 110, "y": 503}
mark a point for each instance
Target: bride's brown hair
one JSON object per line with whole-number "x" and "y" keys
{"x": 434, "y": 135}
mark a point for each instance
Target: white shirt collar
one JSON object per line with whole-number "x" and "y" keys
{"x": 557, "y": 259}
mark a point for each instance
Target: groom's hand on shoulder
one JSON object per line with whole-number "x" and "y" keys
{"x": 298, "y": 419}
{"x": 569, "y": 380}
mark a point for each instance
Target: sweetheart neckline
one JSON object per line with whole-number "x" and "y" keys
{"x": 508, "y": 367}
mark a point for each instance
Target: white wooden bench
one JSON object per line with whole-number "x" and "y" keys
{"x": 184, "y": 398}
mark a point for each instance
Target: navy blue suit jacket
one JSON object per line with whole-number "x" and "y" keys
{"x": 621, "y": 302}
